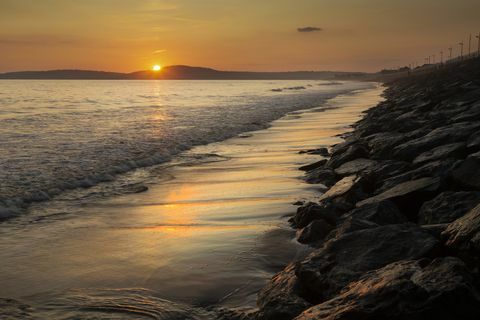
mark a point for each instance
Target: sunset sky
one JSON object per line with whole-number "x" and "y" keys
{"x": 257, "y": 35}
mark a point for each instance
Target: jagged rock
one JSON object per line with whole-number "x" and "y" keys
{"x": 443, "y": 135}
{"x": 406, "y": 290}
{"x": 325, "y": 176}
{"x": 474, "y": 141}
{"x": 309, "y": 212}
{"x": 316, "y": 231}
{"x": 447, "y": 206}
{"x": 369, "y": 216}
{"x": 466, "y": 174}
{"x": 314, "y": 165}
{"x": 280, "y": 298}
{"x": 342, "y": 260}
{"x": 348, "y": 190}
{"x": 438, "y": 168}
{"x": 353, "y": 152}
{"x": 463, "y": 235}
{"x": 355, "y": 167}
{"x": 452, "y": 150}
{"x": 408, "y": 196}
{"x": 435, "y": 229}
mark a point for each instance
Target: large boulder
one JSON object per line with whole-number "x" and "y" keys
{"x": 466, "y": 174}
{"x": 323, "y": 175}
{"x": 354, "y": 151}
{"x": 369, "y": 216}
{"x": 463, "y": 235}
{"x": 406, "y": 290}
{"x": 329, "y": 269}
{"x": 280, "y": 298}
{"x": 315, "y": 232}
{"x": 408, "y": 196}
{"x": 355, "y": 167}
{"x": 309, "y": 212}
{"x": 447, "y": 207}
{"x": 349, "y": 190}
{"x": 443, "y": 135}
{"x": 451, "y": 150}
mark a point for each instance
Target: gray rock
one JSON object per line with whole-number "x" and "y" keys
{"x": 314, "y": 165}
{"x": 435, "y": 229}
{"x": 467, "y": 174}
{"x": 443, "y": 135}
{"x": 329, "y": 269}
{"x": 349, "y": 190}
{"x": 280, "y": 298}
{"x": 447, "y": 207}
{"x": 315, "y": 232}
{"x": 452, "y": 150}
{"x": 355, "y": 167}
{"x": 406, "y": 291}
{"x": 325, "y": 176}
{"x": 320, "y": 151}
{"x": 408, "y": 196}
{"x": 463, "y": 235}
{"x": 353, "y": 152}
{"x": 309, "y": 212}
{"x": 382, "y": 213}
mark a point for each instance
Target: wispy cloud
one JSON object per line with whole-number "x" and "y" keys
{"x": 309, "y": 29}
{"x": 159, "y": 51}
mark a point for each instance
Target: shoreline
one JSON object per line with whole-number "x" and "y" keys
{"x": 396, "y": 236}
{"x": 241, "y": 201}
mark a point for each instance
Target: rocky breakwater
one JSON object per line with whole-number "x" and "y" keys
{"x": 397, "y": 234}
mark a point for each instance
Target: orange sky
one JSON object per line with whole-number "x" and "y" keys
{"x": 130, "y": 35}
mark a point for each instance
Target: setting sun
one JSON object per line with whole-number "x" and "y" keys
{"x": 156, "y": 67}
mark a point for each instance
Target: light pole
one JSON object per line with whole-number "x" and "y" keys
{"x": 478, "y": 37}
{"x": 461, "y": 50}
{"x": 470, "y": 44}
{"x": 450, "y": 49}
{"x": 441, "y": 57}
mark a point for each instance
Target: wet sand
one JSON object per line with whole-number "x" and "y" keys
{"x": 208, "y": 232}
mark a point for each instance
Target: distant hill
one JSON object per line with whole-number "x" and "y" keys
{"x": 180, "y": 72}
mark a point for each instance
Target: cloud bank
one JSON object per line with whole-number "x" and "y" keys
{"x": 309, "y": 29}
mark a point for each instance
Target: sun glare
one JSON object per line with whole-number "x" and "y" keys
{"x": 156, "y": 67}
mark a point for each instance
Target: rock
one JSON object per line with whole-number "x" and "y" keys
{"x": 355, "y": 167}
{"x": 280, "y": 298}
{"x": 447, "y": 207}
{"x": 320, "y": 151}
{"x": 443, "y": 135}
{"x": 463, "y": 235}
{"x": 405, "y": 291}
{"x": 474, "y": 141}
{"x": 438, "y": 168}
{"x": 325, "y": 176}
{"x": 327, "y": 270}
{"x": 466, "y": 174}
{"x": 382, "y": 213}
{"x": 435, "y": 229}
{"x": 408, "y": 196}
{"x": 309, "y": 212}
{"x": 353, "y": 152}
{"x": 452, "y": 150}
{"x": 316, "y": 231}
{"x": 349, "y": 190}
{"x": 314, "y": 165}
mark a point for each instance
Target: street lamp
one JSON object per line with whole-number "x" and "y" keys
{"x": 461, "y": 50}
{"x": 478, "y": 37}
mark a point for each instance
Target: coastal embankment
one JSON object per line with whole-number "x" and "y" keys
{"x": 397, "y": 234}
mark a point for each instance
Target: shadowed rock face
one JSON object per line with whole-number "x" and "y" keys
{"x": 280, "y": 299}
{"x": 447, "y": 206}
{"x": 404, "y": 290}
{"x": 414, "y": 157}
{"x": 326, "y": 271}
